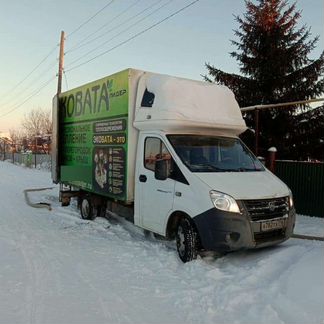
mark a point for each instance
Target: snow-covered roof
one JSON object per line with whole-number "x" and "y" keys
{"x": 172, "y": 103}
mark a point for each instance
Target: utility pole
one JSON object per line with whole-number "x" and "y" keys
{"x": 61, "y": 62}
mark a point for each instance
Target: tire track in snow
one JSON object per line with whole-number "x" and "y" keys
{"x": 37, "y": 266}
{"x": 17, "y": 228}
{"x": 40, "y": 273}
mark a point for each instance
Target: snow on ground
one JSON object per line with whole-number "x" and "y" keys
{"x": 58, "y": 268}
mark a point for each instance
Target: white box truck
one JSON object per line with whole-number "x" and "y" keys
{"x": 164, "y": 152}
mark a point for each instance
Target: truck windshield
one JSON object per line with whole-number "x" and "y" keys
{"x": 214, "y": 154}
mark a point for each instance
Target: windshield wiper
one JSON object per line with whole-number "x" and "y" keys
{"x": 207, "y": 165}
{"x": 246, "y": 170}
{"x": 236, "y": 170}
{"x": 204, "y": 166}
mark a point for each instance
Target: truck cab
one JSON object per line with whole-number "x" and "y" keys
{"x": 199, "y": 183}
{"x": 209, "y": 192}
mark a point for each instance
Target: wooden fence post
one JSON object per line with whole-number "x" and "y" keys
{"x": 272, "y": 158}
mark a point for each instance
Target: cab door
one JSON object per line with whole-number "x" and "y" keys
{"x": 156, "y": 196}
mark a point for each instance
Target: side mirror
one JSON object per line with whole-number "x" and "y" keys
{"x": 161, "y": 170}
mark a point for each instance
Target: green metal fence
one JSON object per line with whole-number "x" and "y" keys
{"x": 30, "y": 160}
{"x": 306, "y": 181}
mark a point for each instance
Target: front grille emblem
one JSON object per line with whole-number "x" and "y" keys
{"x": 271, "y": 206}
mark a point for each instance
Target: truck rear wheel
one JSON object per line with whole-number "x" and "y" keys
{"x": 86, "y": 209}
{"x": 186, "y": 238}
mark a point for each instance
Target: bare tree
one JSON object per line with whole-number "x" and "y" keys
{"x": 16, "y": 135}
{"x": 37, "y": 122}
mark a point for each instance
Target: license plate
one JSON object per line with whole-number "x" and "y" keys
{"x": 270, "y": 225}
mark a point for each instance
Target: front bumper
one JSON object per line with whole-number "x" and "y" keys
{"x": 225, "y": 231}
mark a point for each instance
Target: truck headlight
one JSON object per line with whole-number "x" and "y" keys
{"x": 224, "y": 202}
{"x": 291, "y": 201}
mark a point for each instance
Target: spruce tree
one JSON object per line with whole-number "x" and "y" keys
{"x": 273, "y": 56}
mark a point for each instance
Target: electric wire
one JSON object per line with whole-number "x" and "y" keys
{"x": 30, "y": 96}
{"x": 30, "y": 73}
{"x": 43, "y": 60}
{"x": 79, "y": 44}
{"x": 38, "y": 90}
{"x": 30, "y": 84}
{"x": 16, "y": 106}
{"x": 90, "y": 18}
{"x": 121, "y": 24}
{"x": 123, "y": 31}
{"x": 66, "y": 82}
{"x": 116, "y": 27}
{"x": 133, "y": 37}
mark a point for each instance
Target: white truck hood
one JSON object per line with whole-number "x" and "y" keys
{"x": 245, "y": 185}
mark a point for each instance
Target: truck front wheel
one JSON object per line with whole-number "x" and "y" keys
{"x": 86, "y": 209}
{"x": 186, "y": 238}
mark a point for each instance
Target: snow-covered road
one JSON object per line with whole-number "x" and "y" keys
{"x": 58, "y": 268}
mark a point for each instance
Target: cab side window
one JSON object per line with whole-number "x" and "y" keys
{"x": 155, "y": 150}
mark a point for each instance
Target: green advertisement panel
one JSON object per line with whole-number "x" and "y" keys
{"x": 93, "y": 128}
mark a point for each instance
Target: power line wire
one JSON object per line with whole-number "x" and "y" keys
{"x": 30, "y": 73}
{"x": 39, "y": 64}
{"x": 66, "y": 82}
{"x": 90, "y": 18}
{"x": 124, "y": 30}
{"x": 29, "y": 97}
{"x": 43, "y": 60}
{"x": 31, "y": 83}
{"x": 133, "y": 37}
{"x": 95, "y": 57}
{"x": 114, "y": 28}
{"x": 77, "y": 45}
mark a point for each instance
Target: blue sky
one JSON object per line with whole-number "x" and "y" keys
{"x": 179, "y": 46}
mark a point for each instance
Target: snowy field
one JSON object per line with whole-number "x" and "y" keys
{"x": 57, "y": 268}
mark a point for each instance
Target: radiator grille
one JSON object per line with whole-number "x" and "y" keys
{"x": 265, "y": 209}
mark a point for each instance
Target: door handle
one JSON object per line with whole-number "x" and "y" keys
{"x": 142, "y": 178}
{"x": 164, "y": 191}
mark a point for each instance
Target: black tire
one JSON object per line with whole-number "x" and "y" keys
{"x": 187, "y": 240}
{"x": 86, "y": 209}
